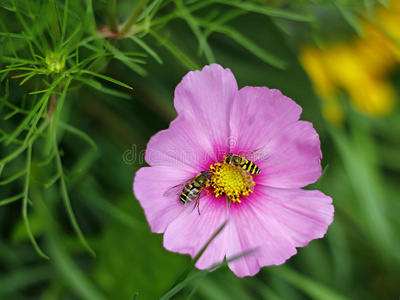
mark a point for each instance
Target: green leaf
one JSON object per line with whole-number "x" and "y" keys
{"x": 309, "y": 286}
{"x": 190, "y": 266}
{"x": 146, "y": 48}
{"x": 98, "y": 86}
{"x": 127, "y": 61}
{"x": 150, "y": 11}
{"x": 251, "y": 46}
{"x": 269, "y": 11}
{"x": 3, "y": 99}
{"x": 11, "y": 199}
{"x": 25, "y": 204}
{"x": 113, "y": 211}
{"x": 37, "y": 226}
{"x": 173, "y": 291}
{"x": 364, "y": 178}
{"x": 72, "y": 274}
{"x": 384, "y": 3}
{"x": 65, "y": 21}
{"x": 40, "y": 106}
{"x": 22, "y": 148}
{"x": 88, "y": 60}
{"x": 39, "y": 115}
{"x": 106, "y": 78}
{"x": 67, "y": 203}
{"x": 316, "y": 184}
{"x": 14, "y": 177}
{"x": 78, "y": 133}
{"x": 52, "y": 180}
{"x": 27, "y": 78}
{"x": 52, "y": 21}
{"x": 27, "y": 29}
{"x": 71, "y": 41}
{"x": 56, "y": 116}
{"x": 20, "y": 60}
{"x": 191, "y": 65}
{"x": 203, "y": 44}
{"x": 23, "y": 278}
{"x": 349, "y": 16}
{"x": 27, "y": 119}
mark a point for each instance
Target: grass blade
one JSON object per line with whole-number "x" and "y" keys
{"x": 106, "y": 78}
{"x": 146, "y": 48}
{"x": 56, "y": 116}
{"x": 67, "y": 203}
{"x": 190, "y": 266}
{"x": 11, "y": 199}
{"x": 269, "y": 11}
{"x": 203, "y": 45}
{"x": 364, "y": 179}
{"x": 12, "y": 178}
{"x": 316, "y": 184}
{"x": 191, "y": 65}
{"x": 312, "y": 288}
{"x": 73, "y": 275}
{"x": 98, "y": 86}
{"x": 25, "y": 204}
{"x": 127, "y": 61}
{"x": 79, "y": 133}
{"x": 351, "y": 19}
{"x": 198, "y": 275}
{"x": 252, "y": 47}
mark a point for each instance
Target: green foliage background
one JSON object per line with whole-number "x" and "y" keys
{"x": 77, "y": 110}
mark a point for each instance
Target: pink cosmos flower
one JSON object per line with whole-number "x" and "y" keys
{"x": 214, "y": 119}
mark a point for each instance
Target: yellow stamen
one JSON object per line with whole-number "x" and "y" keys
{"x": 227, "y": 179}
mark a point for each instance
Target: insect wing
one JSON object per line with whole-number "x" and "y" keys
{"x": 248, "y": 178}
{"x": 258, "y": 154}
{"x": 191, "y": 205}
{"x": 176, "y": 190}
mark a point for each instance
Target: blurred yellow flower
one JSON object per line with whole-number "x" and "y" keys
{"x": 361, "y": 68}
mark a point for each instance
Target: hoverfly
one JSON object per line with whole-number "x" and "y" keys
{"x": 245, "y": 162}
{"x": 191, "y": 190}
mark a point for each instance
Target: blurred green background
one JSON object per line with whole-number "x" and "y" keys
{"x": 73, "y": 134}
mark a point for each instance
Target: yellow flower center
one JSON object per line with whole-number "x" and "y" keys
{"x": 229, "y": 180}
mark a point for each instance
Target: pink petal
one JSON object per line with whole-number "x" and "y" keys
{"x": 189, "y": 232}
{"x": 197, "y": 137}
{"x": 305, "y": 214}
{"x": 206, "y": 97}
{"x": 258, "y": 114}
{"x": 295, "y": 157}
{"x": 261, "y": 117}
{"x": 149, "y": 187}
{"x": 184, "y": 145}
{"x": 272, "y": 222}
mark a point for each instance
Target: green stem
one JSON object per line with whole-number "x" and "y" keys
{"x": 133, "y": 18}
{"x": 112, "y": 15}
{"x": 17, "y": 152}
{"x": 25, "y": 203}
{"x": 190, "y": 266}
{"x": 53, "y": 23}
{"x": 67, "y": 203}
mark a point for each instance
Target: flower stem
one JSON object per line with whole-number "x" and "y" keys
{"x": 112, "y": 15}
{"x": 53, "y": 103}
{"x": 132, "y": 19}
{"x": 197, "y": 257}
